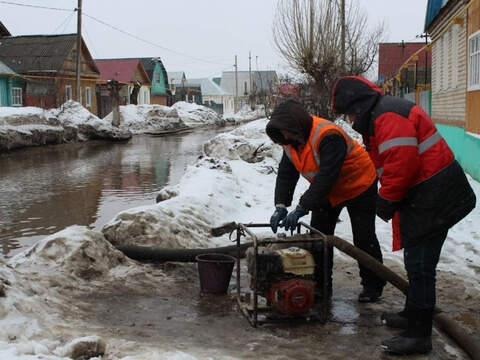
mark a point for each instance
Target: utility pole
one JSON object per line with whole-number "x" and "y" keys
{"x": 236, "y": 86}
{"x": 250, "y": 78}
{"x": 79, "y": 48}
{"x": 342, "y": 20}
{"x": 426, "y": 36}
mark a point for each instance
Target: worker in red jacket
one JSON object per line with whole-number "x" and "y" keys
{"x": 423, "y": 190}
{"x": 341, "y": 175}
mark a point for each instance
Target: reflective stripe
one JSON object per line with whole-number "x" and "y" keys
{"x": 429, "y": 142}
{"x": 379, "y": 172}
{"x": 314, "y": 141}
{"x": 400, "y": 141}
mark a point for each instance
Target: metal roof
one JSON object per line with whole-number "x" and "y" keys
{"x": 175, "y": 77}
{"x": 37, "y": 53}
{"x": 207, "y": 85}
{"x": 433, "y": 9}
{"x": 5, "y": 70}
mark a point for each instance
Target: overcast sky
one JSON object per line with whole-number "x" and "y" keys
{"x": 198, "y": 37}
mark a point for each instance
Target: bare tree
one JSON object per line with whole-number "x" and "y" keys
{"x": 307, "y": 33}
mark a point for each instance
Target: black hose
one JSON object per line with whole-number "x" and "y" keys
{"x": 150, "y": 254}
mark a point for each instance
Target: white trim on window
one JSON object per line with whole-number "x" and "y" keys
{"x": 474, "y": 61}
{"x": 68, "y": 92}
{"x": 17, "y": 96}
{"x": 455, "y": 31}
{"x": 88, "y": 96}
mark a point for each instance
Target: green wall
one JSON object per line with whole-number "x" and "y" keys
{"x": 465, "y": 146}
{"x": 4, "y": 91}
{"x": 158, "y": 88}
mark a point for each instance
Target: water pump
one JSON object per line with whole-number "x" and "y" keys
{"x": 285, "y": 277}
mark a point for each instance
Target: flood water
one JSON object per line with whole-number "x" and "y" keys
{"x": 45, "y": 189}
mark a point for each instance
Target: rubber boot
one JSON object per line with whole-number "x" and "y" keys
{"x": 370, "y": 294}
{"x": 397, "y": 320}
{"x": 417, "y": 339}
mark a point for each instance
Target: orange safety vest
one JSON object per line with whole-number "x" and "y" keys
{"x": 357, "y": 173}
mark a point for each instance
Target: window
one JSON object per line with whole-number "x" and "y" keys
{"x": 68, "y": 92}
{"x": 156, "y": 77}
{"x": 474, "y": 62}
{"x": 17, "y": 96}
{"x": 455, "y": 56}
{"x": 88, "y": 97}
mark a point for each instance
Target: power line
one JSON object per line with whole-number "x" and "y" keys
{"x": 151, "y": 43}
{"x": 34, "y": 6}
{"x": 64, "y": 23}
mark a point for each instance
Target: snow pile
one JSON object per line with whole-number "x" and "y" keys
{"x": 246, "y": 114}
{"x": 194, "y": 114}
{"x": 42, "y": 285}
{"x": 147, "y": 118}
{"x": 30, "y": 126}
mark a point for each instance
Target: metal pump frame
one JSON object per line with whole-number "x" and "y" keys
{"x": 251, "y": 311}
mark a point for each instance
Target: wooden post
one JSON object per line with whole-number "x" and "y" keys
{"x": 79, "y": 49}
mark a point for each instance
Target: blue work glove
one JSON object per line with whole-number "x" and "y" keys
{"x": 279, "y": 214}
{"x": 291, "y": 221}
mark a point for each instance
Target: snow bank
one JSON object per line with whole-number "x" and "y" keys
{"x": 193, "y": 114}
{"x": 246, "y": 114}
{"x": 147, "y": 118}
{"x": 30, "y": 126}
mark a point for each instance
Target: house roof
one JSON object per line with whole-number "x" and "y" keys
{"x": 262, "y": 80}
{"x": 3, "y": 30}
{"x": 207, "y": 86}
{"x": 122, "y": 70}
{"x": 5, "y": 70}
{"x": 391, "y": 57}
{"x": 175, "y": 77}
{"x": 433, "y": 9}
{"x": 38, "y": 53}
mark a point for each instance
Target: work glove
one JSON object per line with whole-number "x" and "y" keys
{"x": 279, "y": 214}
{"x": 385, "y": 209}
{"x": 292, "y": 218}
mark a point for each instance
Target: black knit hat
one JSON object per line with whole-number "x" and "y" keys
{"x": 290, "y": 116}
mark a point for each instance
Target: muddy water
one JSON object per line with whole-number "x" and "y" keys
{"x": 45, "y": 189}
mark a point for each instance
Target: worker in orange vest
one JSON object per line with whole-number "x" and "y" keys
{"x": 340, "y": 173}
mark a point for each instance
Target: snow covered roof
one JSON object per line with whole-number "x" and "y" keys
{"x": 175, "y": 77}
{"x": 5, "y": 70}
{"x": 122, "y": 70}
{"x": 208, "y": 86}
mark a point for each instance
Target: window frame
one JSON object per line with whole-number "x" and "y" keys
{"x": 16, "y": 96}
{"x": 88, "y": 96}
{"x": 474, "y": 68}
{"x": 68, "y": 93}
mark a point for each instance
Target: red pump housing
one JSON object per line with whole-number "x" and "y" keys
{"x": 292, "y": 296}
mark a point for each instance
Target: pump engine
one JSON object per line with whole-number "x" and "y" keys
{"x": 285, "y": 277}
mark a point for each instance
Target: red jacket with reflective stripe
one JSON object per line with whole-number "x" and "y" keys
{"x": 406, "y": 148}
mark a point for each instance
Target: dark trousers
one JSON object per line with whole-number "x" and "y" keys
{"x": 421, "y": 262}
{"x": 361, "y": 210}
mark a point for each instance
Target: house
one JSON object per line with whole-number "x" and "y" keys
{"x": 177, "y": 80}
{"x": 454, "y": 28}
{"x": 160, "y": 91}
{"x": 212, "y": 95}
{"x": 246, "y": 86}
{"x": 11, "y": 87}
{"x": 129, "y": 72}
{"x": 47, "y": 63}
{"x": 403, "y": 67}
